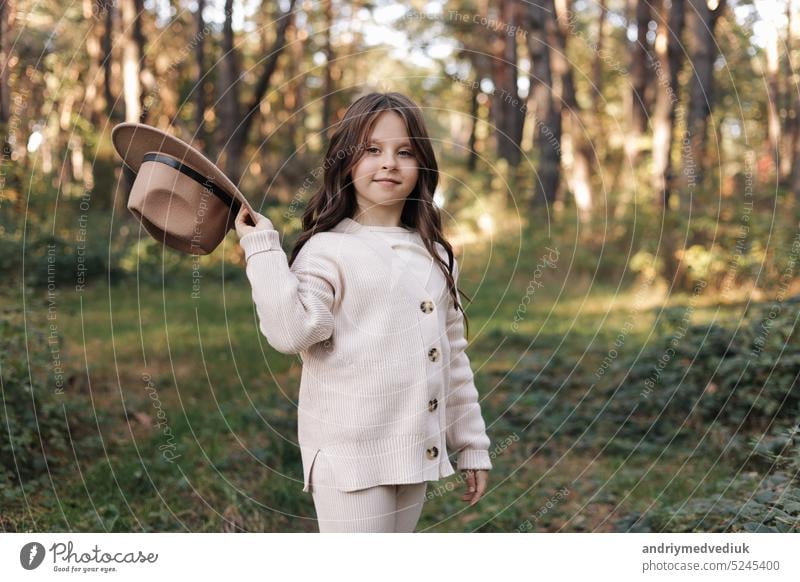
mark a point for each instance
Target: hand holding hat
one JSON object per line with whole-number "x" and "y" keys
{"x": 245, "y": 222}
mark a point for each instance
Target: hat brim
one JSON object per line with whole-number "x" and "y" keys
{"x": 133, "y": 140}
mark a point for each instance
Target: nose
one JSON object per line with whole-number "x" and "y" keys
{"x": 388, "y": 161}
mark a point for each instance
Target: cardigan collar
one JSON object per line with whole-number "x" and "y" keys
{"x": 390, "y": 260}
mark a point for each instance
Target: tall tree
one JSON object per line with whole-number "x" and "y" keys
{"x": 669, "y": 52}
{"x": 203, "y": 140}
{"x": 132, "y": 51}
{"x": 574, "y": 137}
{"x": 794, "y": 96}
{"x": 474, "y": 113}
{"x": 639, "y": 58}
{"x": 774, "y": 96}
{"x": 701, "y": 21}
{"x": 236, "y": 120}
{"x": 132, "y": 59}
{"x": 790, "y": 119}
{"x": 294, "y": 100}
{"x": 329, "y": 64}
{"x": 508, "y": 108}
{"x": 5, "y": 57}
{"x": 475, "y": 54}
{"x": 94, "y": 99}
{"x": 597, "y": 63}
{"x": 547, "y": 129}
{"x": 108, "y": 60}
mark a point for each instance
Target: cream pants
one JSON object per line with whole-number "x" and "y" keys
{"x": 380, "y": 509}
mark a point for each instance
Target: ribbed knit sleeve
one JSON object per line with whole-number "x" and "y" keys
{"x": 294, "y": 305}
{"x": 466, "y": 431}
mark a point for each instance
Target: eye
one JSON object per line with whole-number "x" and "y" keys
{"x": 371, "y": 149}
{"x": 408, "y": 153}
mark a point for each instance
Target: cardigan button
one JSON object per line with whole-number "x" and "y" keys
{"x": 426, "y": 306}
{"x": 433, "y": 354}
{"x": 433, "y": 452}
{"x": 433, "y": 404}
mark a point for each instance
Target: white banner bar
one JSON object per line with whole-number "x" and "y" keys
{"x": 406, "y": 557}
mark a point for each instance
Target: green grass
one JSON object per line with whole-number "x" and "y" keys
{"x": 228, "y": 400}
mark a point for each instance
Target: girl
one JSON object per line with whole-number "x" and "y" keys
{"x": 369, "y": 301}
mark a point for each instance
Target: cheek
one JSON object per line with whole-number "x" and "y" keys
{"x": 362, "y": 170}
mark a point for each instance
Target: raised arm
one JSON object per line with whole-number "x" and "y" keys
{"x": 294, "y": 305}
{"x": 466, "y": 431}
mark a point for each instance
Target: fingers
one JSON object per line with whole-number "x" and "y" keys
{"x": 483, "y": 479}
{"x": 470, "y": 493}
{"x": 239, "y": 222}
{"x": 243, "y": 216}
{"x": 476, "y": 485}
{"x": 249, "y": 221}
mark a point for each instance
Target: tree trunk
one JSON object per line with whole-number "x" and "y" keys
{"x": 202, "y": 136}
{"x": 668, "y": 50}
{"x": 328, "y": 85}
{"x": 474, "y": 111}
{"x": 579, "y": 178}
{"x": 547, "y": 129}
{"x": 792, "y": 110}
{"x": 94, "y": 101}
{"x": 597, "y": 64}
{"x": 795, "y": 178}
{"x": 640, "y": 10}
{"x": 131, "y": 59}
{"x": 229, "y": 112}
{"x": 138, "y": 38}
{"x": 773, "y": 92}
{"x": 294, "y": 99}
{"x": 5, "y": 57}
{"x": 108, "y": 60}
{"x": 237, "y": 121}
{"x": 507, "y": 106}
{"x": 701, "y": 22}
{"x": 787, "y": 103}
{"x": 795, "y": 153}
{"x": 131, "y": 87}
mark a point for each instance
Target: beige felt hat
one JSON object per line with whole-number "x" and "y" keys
{"x": 181, "y": 198}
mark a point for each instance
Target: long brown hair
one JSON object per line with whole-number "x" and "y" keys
{"x": 335, "y": 200}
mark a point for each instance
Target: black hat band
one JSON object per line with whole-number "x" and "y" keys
{"x": 208, "y": 183}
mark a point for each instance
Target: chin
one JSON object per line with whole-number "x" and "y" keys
{"x": 392, "y": 202}
{"x": 387, "y": 199}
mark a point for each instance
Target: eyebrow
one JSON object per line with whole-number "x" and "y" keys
{"x": 405, "y": 143}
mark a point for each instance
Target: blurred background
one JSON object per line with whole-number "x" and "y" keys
{"x": 619, "y": 178}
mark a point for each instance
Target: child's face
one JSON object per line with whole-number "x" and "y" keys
{"x": 388, "y": 156}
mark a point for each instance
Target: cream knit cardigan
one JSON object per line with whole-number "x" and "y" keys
{"x": 386, "y": 386}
